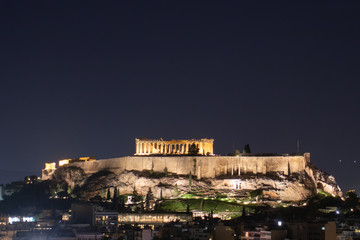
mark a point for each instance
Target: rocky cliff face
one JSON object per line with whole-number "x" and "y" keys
{"x": 275, "y": 186}
{"x": 323, "y": 180}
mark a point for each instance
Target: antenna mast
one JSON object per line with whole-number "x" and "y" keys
{"x": 298, "y": 146}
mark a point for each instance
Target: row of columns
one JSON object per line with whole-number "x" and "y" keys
{"x": 144, "y": 148}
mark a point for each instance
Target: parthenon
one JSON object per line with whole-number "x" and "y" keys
{"x": 146, "y": 146}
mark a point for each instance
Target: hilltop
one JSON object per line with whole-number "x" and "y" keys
{"x": 275, "y": 186}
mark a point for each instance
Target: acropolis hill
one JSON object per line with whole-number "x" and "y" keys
{"x": 290, "y": 177}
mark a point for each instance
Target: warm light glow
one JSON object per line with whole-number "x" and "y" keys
{"x": 146, "y": 146}
{"x": 50, "y": 166}
{"x": 64, "y": 162}
{"x": 66, "y": 217}
{"x": 86, "y": 159}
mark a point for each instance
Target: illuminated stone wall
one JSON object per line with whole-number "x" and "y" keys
{"x": 201, "y": 166}
{"x": 153, "y": 218}
{"x": 146, "y": 146}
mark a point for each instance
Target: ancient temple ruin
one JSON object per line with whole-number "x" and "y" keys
{"x": 146, "y": 146}
{"x": 157, "y": 155}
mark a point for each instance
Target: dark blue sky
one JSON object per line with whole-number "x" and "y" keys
{"x": 82, "y": 78}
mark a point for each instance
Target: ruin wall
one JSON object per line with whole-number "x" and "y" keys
{"x": 201, "y": 166}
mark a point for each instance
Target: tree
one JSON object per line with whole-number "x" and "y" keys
{"x": 176, "y": 192}
{"x": 165, "y": 171}
{"x": 243, "y": 212}
{"x": 117, "y": 192}
{"x": 201, "y": 204}
{"x": 121, "y": 203}
{"x": 102, "y": 193}
{"x": 62, "y": 194}
{"x": 69, "y": 190}
{"x": 247, "y": 149}
{"x": 115, "y": 196}
{"x": 193, "y": 150}
{"x": 351, "y": 195}
{"x": 108, "y": 196}
{"x": 351, "y": 200}
{"x": 256, "y": 194}
{"x": 149, "y": 196}
{"x": 53, "y": 192}
{"x": 97, "y": 198}
{"x": 135, "y": 196}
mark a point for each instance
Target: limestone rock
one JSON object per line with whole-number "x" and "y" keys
{"x": 73, "y": 176}
{"x": 276, "y": 186}
{"x": 296, "y": 187}
{"x": 323, "y": 180}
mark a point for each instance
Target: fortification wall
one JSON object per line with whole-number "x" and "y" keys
{"x": 201, "y": 166}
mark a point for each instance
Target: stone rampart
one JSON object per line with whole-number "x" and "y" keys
{"x": 201, "y": 166}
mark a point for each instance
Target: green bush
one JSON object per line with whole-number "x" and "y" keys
{"x": 256, "y": 193}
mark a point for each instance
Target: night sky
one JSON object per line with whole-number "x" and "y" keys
{"x": 85, "y": 78}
